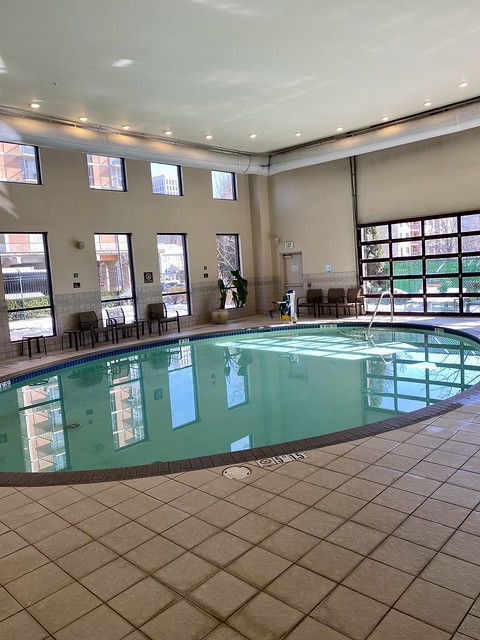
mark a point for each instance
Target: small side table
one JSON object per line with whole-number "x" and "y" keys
{"x": 74, "y": 336}
{"x": 28, "y": 340}
{"x": 140, "y": 323}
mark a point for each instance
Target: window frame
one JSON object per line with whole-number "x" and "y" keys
{"x": 187, "y": 291}
{"x": 179, "y": 178}
{"x": 233, "y": 182}
{"x": 90, "y": 164}
{"x": 114, "y": 302}
{"x": 227, "y": 278}
{"x": 38, "y": 180}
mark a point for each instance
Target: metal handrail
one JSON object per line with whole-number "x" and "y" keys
{"x": 382, "y": 295}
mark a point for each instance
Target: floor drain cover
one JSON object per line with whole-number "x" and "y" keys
{"x": 237, "y": 473}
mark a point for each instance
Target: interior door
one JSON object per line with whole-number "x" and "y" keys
{"x": 293, "y": 272}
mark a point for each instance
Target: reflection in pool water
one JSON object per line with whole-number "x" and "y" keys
{"x": 224, "y": 394}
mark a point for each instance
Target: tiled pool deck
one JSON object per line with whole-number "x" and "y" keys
{"x": 376, "y": 538}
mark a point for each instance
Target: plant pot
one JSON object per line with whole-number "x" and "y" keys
{"x": 220, "y": 316}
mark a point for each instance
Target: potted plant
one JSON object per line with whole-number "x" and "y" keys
{"x": 220, "y": 315}
{"x": 239, "y": 288}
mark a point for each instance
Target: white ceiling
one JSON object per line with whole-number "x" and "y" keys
{"x": 230, "y": 68}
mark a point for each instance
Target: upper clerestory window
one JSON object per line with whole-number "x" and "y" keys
{"x": 106, "y": 172}
{"x": 223, "y": 185}
{"x": 166, "y": 179}
{"x": 19, "y": 163}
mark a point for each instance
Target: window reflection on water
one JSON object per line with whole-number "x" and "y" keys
{"x": 225, "y": 394}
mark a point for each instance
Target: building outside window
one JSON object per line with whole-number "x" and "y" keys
{"x": 27, "y": 284}
{"x": 166, "y": 179}
{"x": 106, "y": 173}
{"x": 429, "y": 265}
{"x": 19, "y": 163}
{"x": 228, "y": 260}
{"x": 115, "y": 272}
{"x": 223, "y": 185}
{"x": 174, "y": 280}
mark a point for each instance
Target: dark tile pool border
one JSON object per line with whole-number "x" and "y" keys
{"x": 25, "y": 479}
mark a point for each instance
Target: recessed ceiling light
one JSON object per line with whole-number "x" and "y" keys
{"x": 298, "y": 134}
{"x": 339, "y": 129}
{"x": 35, "y": 105}
{"x": 427, "y": 103}
{"x": 168, "y": 133}
{"x": 122, "y": 62}
{"x": 252, "y": 135}
{"x": 208, "y": 136}
{"x": 83, "y": 118}
{"x": 462, "y": 85}
{"x": 385, "y": 118}
{"x": 126, "y": 127}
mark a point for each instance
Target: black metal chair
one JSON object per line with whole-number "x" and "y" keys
{"x": 353, "y": 300}
{"x": 335, "y": 297}
{"x": 116, "y": 317}
{"x": 311, "y": 301}
{"x": 157, "y": 312}
{"x": 89, "y": 324}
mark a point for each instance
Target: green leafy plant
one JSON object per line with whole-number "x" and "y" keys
{"x": 239, "y": 289}
{"x": 223, "y": 292}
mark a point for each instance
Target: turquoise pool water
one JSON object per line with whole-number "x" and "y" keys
{"x": 226, "y": 393}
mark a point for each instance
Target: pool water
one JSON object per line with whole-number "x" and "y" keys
{"x": 227, "y": 393}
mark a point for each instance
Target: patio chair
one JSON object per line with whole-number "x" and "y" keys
{"x": 310, "y": 301}
{"x": 157, "y": 312}
{"x": 353, "y": 300}
{"x": 116, "y": 317}
{"x": 335, "y": 297}
{"x": 89, "y": 324}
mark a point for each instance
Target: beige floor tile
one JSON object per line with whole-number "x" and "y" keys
{"x": 193, "y": 501}
{"x": 398, "y": 626}
{"x": 190, "y": 532}
{"x": 115, "y": 495}
{"x": 424, "y": 532}
{"x": 222, "y": 487}
{"x": 39, "y": 584}
{"x": 340, "y": 504}
{"x": 24, "y": 515}
{"x": 322, "y": 457}
{"x": 347, "y": 465}
{"x": 162, "y": 518}
{"x": 3, "y": 528}
{"x": 12, "y": 502}
{"x": 328, "y": 479}
{"x": 186, "y": 572}
{"x": 472, "y": 523}
{"x": 101, "y": 623}
{"x": 142, "y": 601}
{"x": 137, "y": 506}
{"x": 8, "y": 605}
{"x": 459, "y": 447}
{"x": 222, "y": 548}
{"x": 258, "y": 567}
{"x": 61, "y": 499}
{"x": 281, "y": 509}
{"x": 471, "y": 627}
{"x": 154, "y": 553}
{"x": 412, "y": 451}
{"x": 181, "y": 621}
{"x": 297, "y": 469}
{"x": 350, "y": 613}
{"x": 363, "y": 489}
{"x": 300, "y": 588}
{"x": 305, "y": 493}
{"x": 113, "y": 578}
{"x": 464, "y": 546}
{"x": 380, "y": 475}
{"x": 94, "y": 487}
{"x": 80, "y": 510}
{"x": 378, "y": 581}
{"x": 401, "y": 500}
{"x": 222, "y": 594}
{"x": 454, "y": 574}
{"x": 417, "y": 484}
{"x": 224, "y": 633}
{"x": 379, "y": 518}
{"x": 356, "y": 537}
{"x": 432, "y": 470}
{"x": 168, "y": 491}
{"x": 222, "y": 513}
{"x": 250, "y": 497}
{"x": 253, "y": 527}
{"x": 86, "y": 559}
{"x": 445, "y": 513}
{"x": 63, "y": 607}
{"x": 310, "y": 629}
{"x": 403, "y": 555}
{"x": 19, "y": 563}
{"x": 275, "y": 483}
{"x": 11, "y": 542}
{"x": 447, "y": 458}
{"x": 42, "y": 528}
{"x": 331, "y": 560}
{"x": 265, "y": 617}
{"x": 289, "y": 543}
{"x": 398, "y": 463}
{"x": 21, "y": 626}
{"x": 427, "y": 440}
{"x": 316, "y": 522}
{"x": 144, "y": 484}
{"x": 434, "y": 605}
{"x": 464, "y": 478}
{"x": 102, "y": 523}
{"x": 364, "y": 454}
{"x": 126, "y": 538}
{"x": 63, "y": 542}
{"x": 473, "y": 464}
{"x": 197, "y": 478}
{"x": 381, "y": 444}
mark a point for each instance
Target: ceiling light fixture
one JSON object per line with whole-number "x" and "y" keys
{"x": 385, "y": 119}
{"x": 208, "y": 136}
{"x": 298, "y": 134}
{"x": 252, "y": 135}
{"x": 339, "y": 129}
{"x": 83, "y": 118}
{"x": 462, "y": 85}
{"x": 427, "y": 103}
{"x": 126, "y": 127}
{"x": 168, "y": 133}
{"x": 35, "y": 105}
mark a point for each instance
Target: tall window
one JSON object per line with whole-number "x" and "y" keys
{"x": 105, "y": 172}
{"x": 26, "y": 282}
{"x": 223, "y": 185}
{"x": 430, "y": 265}
{"x": 18, "y": 163}
{"x": 228, "y": 259}
{"x": 183, "y": 391}
{"x": 115, "y": 272}
{"x": 166, "y": 179}
{"x": 174, "y": 280}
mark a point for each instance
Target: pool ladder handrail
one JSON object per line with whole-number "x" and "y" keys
{"x": 382, "y": 295}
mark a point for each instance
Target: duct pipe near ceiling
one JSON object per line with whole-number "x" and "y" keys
{"x": 395, "y": 135}
{"x": 43, "y": 133}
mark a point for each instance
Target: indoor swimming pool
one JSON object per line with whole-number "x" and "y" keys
{"x": 208, "y": 395}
